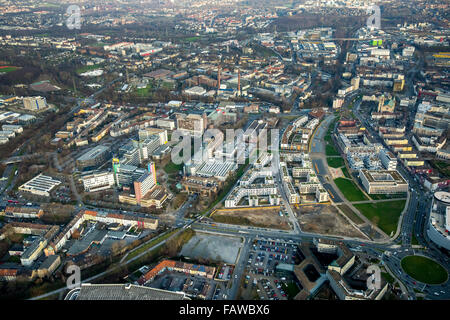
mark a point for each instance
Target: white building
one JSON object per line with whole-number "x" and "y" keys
{"x": 382, "y": 181}
{"x": 439, "y": 222}
{"x": 98, "y": 181}
{"x": 40, "y": 185}
{"x": 388, "y": 160}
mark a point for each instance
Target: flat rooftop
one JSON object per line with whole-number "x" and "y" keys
{"x": 125, "y": 292}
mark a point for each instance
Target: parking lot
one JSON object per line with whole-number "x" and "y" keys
{"x": 194, "y": 286}
{"x": 261, "y": 280}
{"x": 266, "y": 254}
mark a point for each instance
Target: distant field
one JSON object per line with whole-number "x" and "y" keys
{"x": 144, "y": 92}
{"x": 384, "y": 214}
{"x": 88, "y": 68}
{"x": 192, "y": 39}
{"x": 350, "y": 190}
{"x": 6, "y": 69}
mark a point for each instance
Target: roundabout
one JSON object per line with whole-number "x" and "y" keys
{"x": 424, "y": 270}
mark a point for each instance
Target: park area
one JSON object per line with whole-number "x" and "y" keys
{"x": 384, "y": 214}
{"x": 263, "y": 217}
{"x": 424, "y": 270}
{"x": 350, "y": 190}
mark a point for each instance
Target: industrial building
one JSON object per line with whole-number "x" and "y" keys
{"x": 40, "y": 185}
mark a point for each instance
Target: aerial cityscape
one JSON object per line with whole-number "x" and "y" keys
{"x": 251, "y": 150}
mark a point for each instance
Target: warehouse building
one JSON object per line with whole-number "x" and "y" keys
{"x": 40, "y": 185}
{"x": 122, "y": 292}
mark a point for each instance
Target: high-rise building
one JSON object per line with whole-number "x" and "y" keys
{"x": 337, "y": 103}
{"x": 145, "y": 183}
{"x": 35, "y": 103}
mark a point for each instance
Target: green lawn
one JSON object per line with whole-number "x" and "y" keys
{"x": 335, "y": 162}
{"x": 330, "y": 150}
{"x": 424, "y": 270}
{"x": 384, "y": 214}
{"x": 168, "y": 85}
{"x": 386, "y": 276}
{"x": 144, "y": 92}
{"x": 150, "y": 244}
{"x": 172, "y": 168}
{"x": 291, "y": 289}
{"x": 350, "y": 190}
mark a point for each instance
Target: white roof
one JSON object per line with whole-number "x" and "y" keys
{"x": 443, "y": 196}
{"x": 447, "y": 219}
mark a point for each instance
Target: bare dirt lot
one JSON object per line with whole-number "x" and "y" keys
{"x": 257, "y": 217}
{"x": 325, "y": 219}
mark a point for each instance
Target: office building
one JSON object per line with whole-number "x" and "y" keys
{"x": 93, "y": 158}
{"x": 98, "y": 181}
{"x": 145, "y": 183}
{"x": 388, "y": 160}
{"x": 382, "y": 181}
